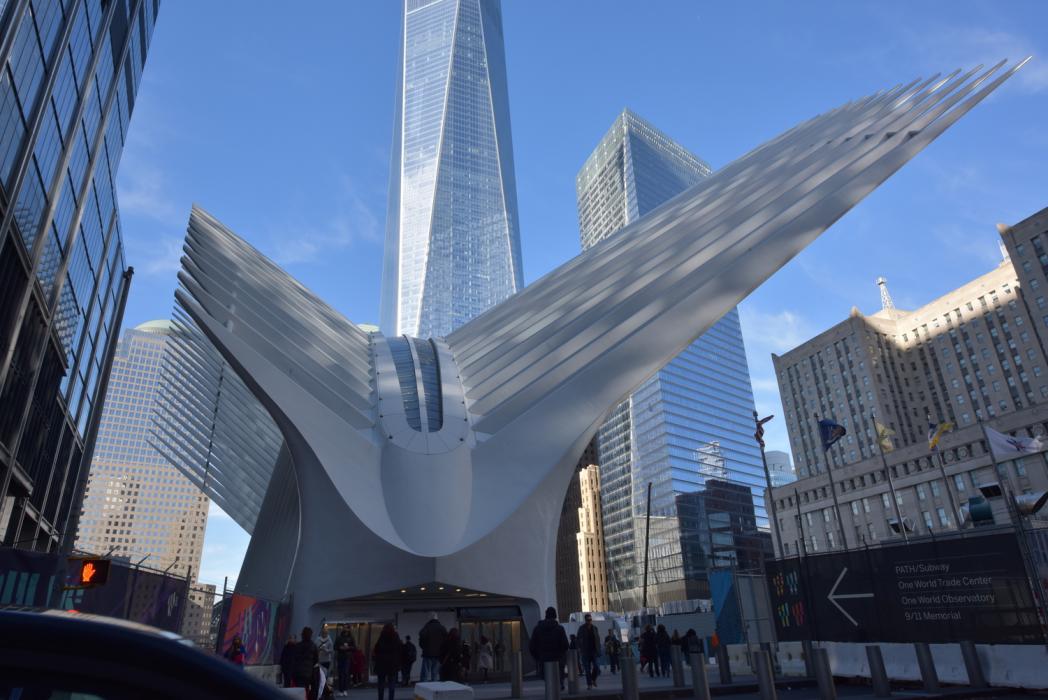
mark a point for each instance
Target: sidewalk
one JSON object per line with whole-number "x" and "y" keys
{"x": 742, "y": 688}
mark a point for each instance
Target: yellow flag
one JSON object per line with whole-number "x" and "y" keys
{"x": 884, "y": 436}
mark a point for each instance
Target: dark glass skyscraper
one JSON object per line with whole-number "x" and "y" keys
{"x": 688, "y": 425}
{"x": 71, "y": 72}
{"x": 452, "y": 237}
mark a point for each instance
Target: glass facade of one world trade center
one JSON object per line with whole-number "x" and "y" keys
{"x": 689, "y": 429}
{"x": 452, "y": 238}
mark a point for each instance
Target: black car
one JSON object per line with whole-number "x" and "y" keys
{"x": 57, "y": 657}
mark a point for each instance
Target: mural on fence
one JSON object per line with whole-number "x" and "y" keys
{"x": 260, "y": 624}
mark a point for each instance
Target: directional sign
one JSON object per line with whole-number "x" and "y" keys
{"x": 947, "y": 590}
{"x": 834, "y": 596}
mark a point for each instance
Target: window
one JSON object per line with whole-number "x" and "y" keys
{"x": 928, "y": 520}
{"x": 921, "y": 494}
{"x": 871, "y": 531}
{"x": 958, "y": 480}
{"x": 886, "y": 500}
{"x": 944, "y": 518}
{"x": 829, "y": 539}
{"x": 1020, "y": 467}
{"x": 814, "y": 543}
{"x": 936, "y": 491}
{"x": 855, "y": 508}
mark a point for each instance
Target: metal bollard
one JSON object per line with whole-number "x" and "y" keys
{"x": 823, "y": 674}
{"x": 976, "y": 678}
{"x": 806, "y": 649}
{"x": 628, "y": 668}
{"x": 723, "y": 664}
{"x": 677, "y": 662}
{"x": 573, "y": 671}
{"x": 765, "y": 676}
{"x": 878, "y": 675}
{"x": 516, "y": 675}
{"x": 700, "y": 684}
{"x": 551, "y": 672}
{"x": 927, "y": 665}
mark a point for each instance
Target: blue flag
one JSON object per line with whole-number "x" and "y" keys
{"x": 830, "y": 432}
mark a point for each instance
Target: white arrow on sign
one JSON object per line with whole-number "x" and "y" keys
{"x": 833, "y": 597}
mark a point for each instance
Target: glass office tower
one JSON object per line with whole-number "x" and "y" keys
{"x": 452, "y": 239}
{"x": 71, "y": 71}
{"x": 686, "y": 428}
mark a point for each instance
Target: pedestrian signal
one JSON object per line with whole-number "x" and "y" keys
{"x": 90, "y": 572}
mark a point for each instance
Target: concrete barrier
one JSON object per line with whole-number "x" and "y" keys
{"x": 1004, "y": 665}
{"x": 444, "y": 690}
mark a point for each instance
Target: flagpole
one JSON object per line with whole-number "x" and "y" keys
{"x": 833, "y": 487}
{"x": 800, "y": 523}
{"x": 891, "y": 482}
{"x": 946, "y": 479}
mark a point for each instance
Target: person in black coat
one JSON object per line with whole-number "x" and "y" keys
{"x": 663, "y": 643}
{"x": 451, "y": 657}
{"x": 307, "y": 658}
{"x": 549, "y": 642}
{"x": 431, "y": 640}
{"x": 588, "y": 642}
{"x": 287, "y": 661}
{"x": 388, "y": 656}
{"x": 649, "y": 650}
{"x": 407, "y": 660}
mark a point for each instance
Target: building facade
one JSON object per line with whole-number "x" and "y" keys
{"x": 136, "y": 504}
{"x": 593, "y": 573}
{"x": 693, "y": 419}
{"x": 452, "y": 231}
{"x": 974, "y": 356}
{"x": 780, "y": 467}
{"x": 71, "y": 72}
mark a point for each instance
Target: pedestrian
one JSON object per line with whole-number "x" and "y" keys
{"x": 388, "y": 656}
{"x": 407, "y": 660}
{"x": 343, "y": 654}
{"x": 236, "y": 651}
{"x": 649, "y": 650}
{"x": 500, "y": 652}
{"x": 691, "y": 644}
{"x": 306, "y": 660}
{"x": 663, "y": 644}
{"x": 325, "y": 648}
{"x": 467, "y": 656}
{"x": 358, "y": 666}
{"x": 287, "y": 661}
{"x": 612, "y": 648}
{"x": 588, "y": 641}
{"x": 431, "y": 640}
{"x": 485, "y": 658}
{"x": 549, "y": 642}
{"x": 451, "y": 657}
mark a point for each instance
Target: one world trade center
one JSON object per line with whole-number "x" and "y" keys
{"x": 452, "y": 233}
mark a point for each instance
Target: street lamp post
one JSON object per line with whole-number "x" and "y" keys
{"x": 758, "y": 435}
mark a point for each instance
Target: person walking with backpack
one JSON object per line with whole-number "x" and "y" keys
{"x": 549, "y": 642}
{"x": 431, "y": 640}
{"x": 407, "y": 660}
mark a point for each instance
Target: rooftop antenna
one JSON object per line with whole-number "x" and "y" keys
{"x": 886, "y": 297}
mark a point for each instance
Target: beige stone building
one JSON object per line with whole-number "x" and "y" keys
{"x": 136, "y": 504}
{"x": 593, "y": 575}
{"x": 975, "y": 355}
{"x": 196, "y": 623}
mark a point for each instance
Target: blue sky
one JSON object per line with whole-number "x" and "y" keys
{"x": 279, "y": 122}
